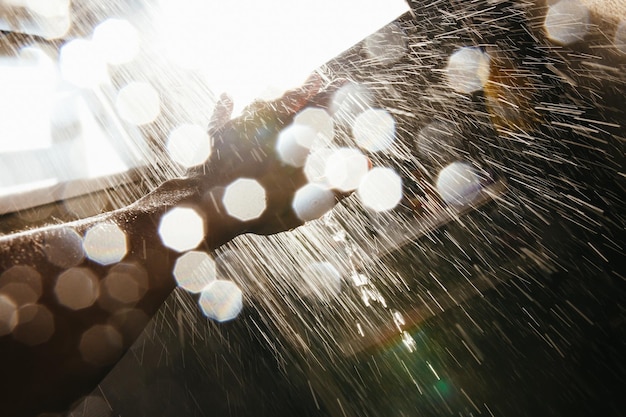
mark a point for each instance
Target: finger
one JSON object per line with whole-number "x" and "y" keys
{"x": 222, "y": 112}
{"x": 294, "y": 100}
{"x": 291, "y": 101}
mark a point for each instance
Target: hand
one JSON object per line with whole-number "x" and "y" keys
{"x": 245, "y": 147}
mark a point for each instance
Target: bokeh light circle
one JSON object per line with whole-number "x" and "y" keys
{"x": 321, "y": 281}
{"x": 105, "y": 243}
{"x": 189, "y": 145}
{"x": 468, "y": 70}
{"x": 82, "y": 64}
{"x": 388, "y": 45}
{"x": 221, "y": 300}
{"x": 345, "y": 168}
{"x": 567, "y": 22}
{"x": 181, "y": 229}
{"x": 245, "y": 199}
{"x": 458, "y": 184}
{"x": 138, "y": 103}
{"x": 294, "y": 144}
{"x": 117, "y": 40}
{"x": 194, "y": 270}
{"x": 380, "y": 189}
{"x": 320, "y": 121}
{"x": 312, "y": 201}
{"x": 77, "y": 288}
{"x": 374, "y": 130}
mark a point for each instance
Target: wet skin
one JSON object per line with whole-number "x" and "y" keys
{"x": 62, "y": 353}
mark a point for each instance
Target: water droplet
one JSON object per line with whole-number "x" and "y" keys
{"x": 138, "y": 103}
{"x": 181, "y": 229}
{"x": 77, "y": 288}
{"x": 63, "y": 247}
{"x": 345, "y": 168}
{"x": 380, "y": 189}
{"x": 82, "y": 64}
{"x": 245, "y": 199}
{"x": 105, "y": 243}
{"x": 194, "y": 271}
{"x": 468, "y": 70}
{"x": 294, "y": 144}
{"x": 117, "y": 40}
{"x": 567, "y": 22}
{"x": 374, "y": 130}
{"x": 189, "y": 145}
{"x": 312, "y": 201}
{"x": 221, "y": 300}
{"x": 458, "y": 184}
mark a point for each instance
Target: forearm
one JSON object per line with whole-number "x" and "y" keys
{"x": 89, "y": 294}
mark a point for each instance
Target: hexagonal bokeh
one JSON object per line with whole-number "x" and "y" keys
{"x": 77, "y": 288}
{"x": 105, "y": 243}
{"x": 294, "y": 144}
{"x": 567, "y": 21}
{"x": 312, "y": 201}
{"x": 181, "y": 229}
{"x": 194, "y": 270}
{"x": 221, "y": 300}
{"x": 468, "y": 70}
{"x": 381, "y": 189}
{"x": 245, "y": 199}
{"x": 101, "y": 344}
{"x": 458, "y": 184}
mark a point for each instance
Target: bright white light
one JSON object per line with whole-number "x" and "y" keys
{"x": 320, "y": 121}
{"x": 245, "y": 199}
{"x": 181, "y": 229}
{"x": 287, "y": 44}
{"x": 468, "y": 70}
{"x": 567, "y": 21}
{"x": 28, "y": 85}
{"x": 221, "y": 300}
{"x": 374, "y": 130}
{"x": 49, "y": 8}
{"x": 322, "y": 281}
{"x": 380, "y": 189}
{"x": 388, "y": 45}
{"x": 315, "y": 166}
{"x": 349, "y": 101}
{"x": 82, "y": 64}
{"x": 619, "y": 40}
{"x": 105, "y": 243}
{"x": 77, "y": 288}
{"x": 194, "y": 270}
{"x": 458, "y": 184}
{"x": 345, "y": 168}
{"x": 294, "y": 144}
{"x": 138, "y": 103}
{"x": 117, "y": 40}
{"x": 189, "y": 145}
{"x": 312, "y": 201}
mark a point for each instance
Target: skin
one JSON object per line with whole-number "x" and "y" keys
{"x": 63, "y": 352}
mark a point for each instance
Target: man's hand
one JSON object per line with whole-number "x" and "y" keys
{"x": 245, "y": 147}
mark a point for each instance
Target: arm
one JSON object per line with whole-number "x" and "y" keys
{"x": 74, "y": 297}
